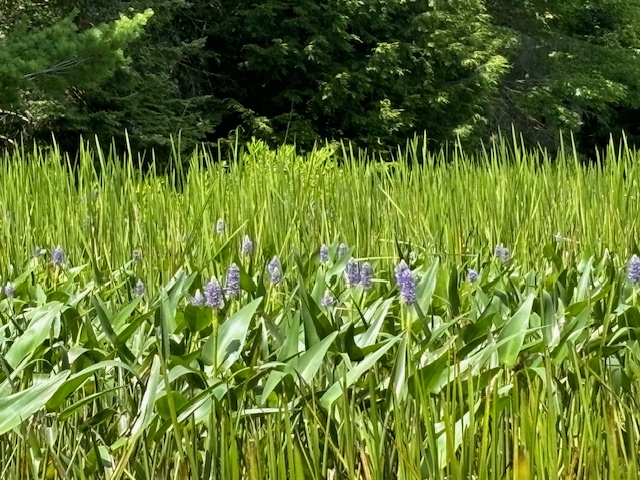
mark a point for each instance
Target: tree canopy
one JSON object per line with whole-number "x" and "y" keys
{"x": 371, "y": 71}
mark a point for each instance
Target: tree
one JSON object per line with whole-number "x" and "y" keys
{"x": 374, "y": 71}
{"x": 575, "y": 67}
{"x": 42, "y": 68}
{"x": 162, "y": 92}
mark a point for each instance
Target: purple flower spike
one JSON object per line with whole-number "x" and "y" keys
{"x": 198, "y": 299}
{"x": 275, "y": 271}
{"x": 247, "y": 246}
{"x": 633, "y": 270}
{"x": 472, "y": 275}
{"x": 406, "y": 282}
{"x": 139, "y": 289}
{"x": 58, "y": 256}
{"x": 503, "y": 253}
{"x": 366, "y": 275}
{"x": 232, "y": 288}
{"x": 220, "y": 226}
{"x": 342, "y": 250}
{"x": 352, "y": 272}
{"x": 9, "y": 290}
{"x": 327, "y": 301}
{"x": 213, "y": 296}
{"x": 324, "y": 254}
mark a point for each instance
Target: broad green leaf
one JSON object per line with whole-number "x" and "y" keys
{"x": 335, "y": 391}
{"x": 303, "y": 367}
{"x": 513, "y": 333}
{"x": 374, "y": 316}
{"x": 77, "y": 379}
{"x": 337, "y": 269}
{"x": 41, "y": 319}
{"x": 197, "y": 318}
{"x": 570, "y": 332}
{"x": 231, "y": 338}
{"x": 582, "y": 292}
{"x": 18, "y": 407}
{"x": 146, "y": 407}
{"x": 105, "y": 321}
{"x": 400, "y": 370}
{"x": 308, "y": 364}
{"x": 548, "y": 316}
{"x": 426, "y": 286}
{"x": 118, "y": 320}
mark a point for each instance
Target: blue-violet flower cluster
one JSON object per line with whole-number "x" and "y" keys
{"x": 633, "y": 270}
{"x": 232, "y": 288}
{"x": 406, "y": 282}
{"x": 503, "y": 253}
{"x": 58, "y": 256}
{"x": 275, "y": 271}
{"x": 220, "y": 226}
{"x": 352, "y": 272}
{"x": 366, "y": 276}
{"x": 213, "y": 296}
{"x": 324, "y": 254}
{"x": 139, "y": 288}
{"x": 472, "y": 275}
{"x": 247, "y": 245}
{"x": 327, "y": 301}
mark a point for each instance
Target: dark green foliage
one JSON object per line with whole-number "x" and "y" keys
{"x": 371, "y": 71}
{"x": 40, "y": 69}
{"x": 575, "y": 67}
{"x": 164, "y": 89}
{"x": 374, "y": 71}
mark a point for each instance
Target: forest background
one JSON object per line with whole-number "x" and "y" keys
{"x": 374, "y": 72}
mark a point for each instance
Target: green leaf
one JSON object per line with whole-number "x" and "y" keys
{"x": 513, "y": 333}
{"x": 77, "y": 379}
{"x": 197, "y": 318}
{"x": 308, "y": 364}
{"x": 105, "y": 321}
{"x": 454, "y": 298}
{"x": 35, "y": 334}
{"x": 231, "y": 338}
{"x": 426, "y": 287}
{"x": 335, "y": 391}
{"x": 582, "y": 292}
{"x": 18, "y": 407}
{"x": 375, "y": 316}
{"x": 400, "y": 370}
{"x": 146, "y": 407}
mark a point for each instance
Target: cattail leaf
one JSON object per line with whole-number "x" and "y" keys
{"x": 454, "y": 297}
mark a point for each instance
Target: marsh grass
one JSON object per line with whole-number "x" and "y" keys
{"x": 445, "y": 204}
{"x": 531, "y": 372}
